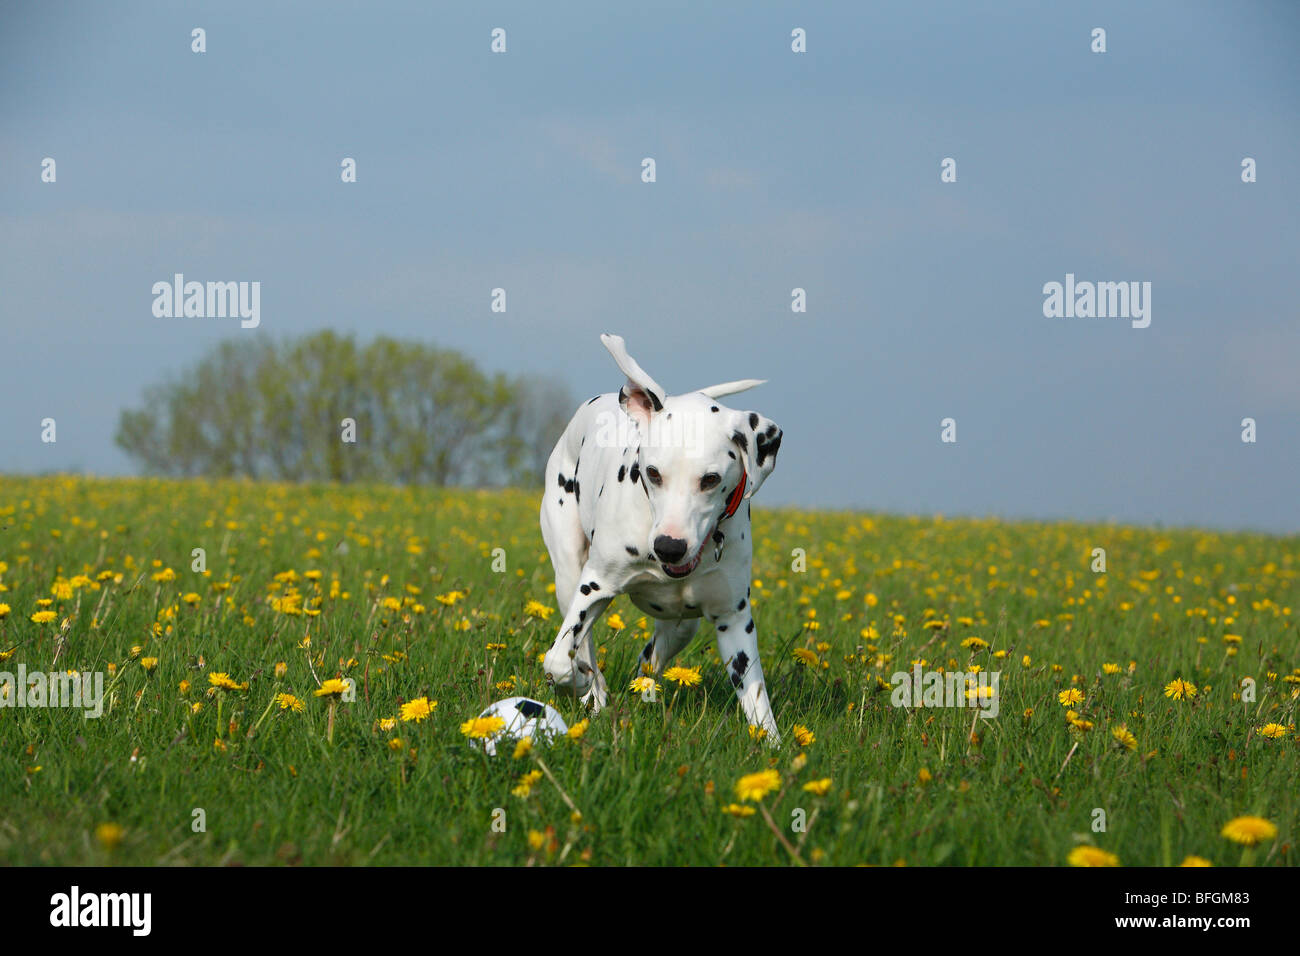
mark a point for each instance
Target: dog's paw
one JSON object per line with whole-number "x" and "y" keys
{"x": 596, "y": 698}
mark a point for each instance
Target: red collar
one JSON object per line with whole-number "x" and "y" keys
{"x": 733, "y": 502}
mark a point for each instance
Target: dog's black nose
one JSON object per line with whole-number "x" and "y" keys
{"x": 670, "y": 550}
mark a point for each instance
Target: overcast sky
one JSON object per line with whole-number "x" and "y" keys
{"x": 775, "y": 170}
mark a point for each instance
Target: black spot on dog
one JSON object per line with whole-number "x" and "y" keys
{"x": 631, "y": 550}
{"x": 645, "y": 651}
{"x": 622, "y": 470}
{"x": 561, "y": 477}
{"x": 568, "y": 486}
{"x": 582, "y": 615}
{"x": 731, "y": 455}
{"x": 741, "y": 605}
{"x": 768, "y": 446}
{"x": 739, "y": 664}
{"x": 635, "y": 474}
{"x": 594, "y": 586}
{"x": 601, "y": 492}
{"x": 561, "y": 500}
{"x": 718, "y": 537}
{"x": 740, "y": 440}
{"x": 722, "y": 627}
{"x": 753, "y": 420}
{"x": 749, "y": 628}
{"x": 530, "y": 708}
{"x": 692, "y": 607}
{"x": 655, "y": 606}
{"x": 654, "y": 400}
{"x": 585, "y": 589}
{"x": 713, "y": 408}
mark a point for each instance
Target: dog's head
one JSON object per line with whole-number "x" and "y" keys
{"x": 696, "y": 459}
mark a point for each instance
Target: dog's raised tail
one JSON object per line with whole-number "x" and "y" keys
{"x": 731, "y": 388}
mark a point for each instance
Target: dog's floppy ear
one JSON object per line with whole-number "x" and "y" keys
{"x": 759, "y": 439}
{"x": 642, "y": 396}
{"x": 731, "y": 388}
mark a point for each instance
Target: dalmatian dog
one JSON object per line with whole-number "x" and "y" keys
{"x": 647, "y": 495}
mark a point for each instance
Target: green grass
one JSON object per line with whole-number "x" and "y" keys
{"x": 650, "y": 779}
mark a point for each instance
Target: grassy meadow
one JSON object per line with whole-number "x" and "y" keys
{"x": 1121, "y": 693}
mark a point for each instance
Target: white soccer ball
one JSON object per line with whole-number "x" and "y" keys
{"x": 524, "y": 717}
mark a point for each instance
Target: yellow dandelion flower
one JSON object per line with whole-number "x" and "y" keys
{"x": 418, "y": 709}
{"x": 223, "y": 681}
{"x": 1249, "y": 830}
{"x": 1091, "y": 856}
{"x": 756, "y": 786}
{"x": 538, "y": 610}
{"x": 334, "y": 687}
{"x": 289, "y": 702}
{"x": 804, "y": 656}
{"x": 1068, "y": 698}
{"x": 481, "y": 727}
{"x": 109, "y": 835}
{"x": 803, "y": 736}
{"x": 686, "y": 676}
{"x": 818, "y": 787}
{"x": 644, "y": 685}
{"x": 1180, "y": 689}
{"x": 526, "y": 782}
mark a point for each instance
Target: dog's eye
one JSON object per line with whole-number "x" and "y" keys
{"x": 653, "y": 474}
{"x": 710, "y": 480}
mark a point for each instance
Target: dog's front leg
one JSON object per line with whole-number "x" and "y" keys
{"x": 738, "y": 647}
{"x": 570, "y": 664}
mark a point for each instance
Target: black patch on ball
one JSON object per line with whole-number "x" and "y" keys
{"x": 530, "y": 708}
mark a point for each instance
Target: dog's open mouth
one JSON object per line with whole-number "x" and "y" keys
{"x": 681, "y": 570}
